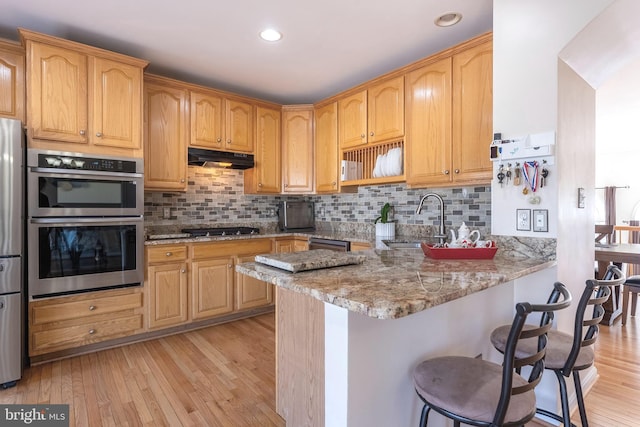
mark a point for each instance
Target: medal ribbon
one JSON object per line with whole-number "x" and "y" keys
{"x": 531, "y": 177}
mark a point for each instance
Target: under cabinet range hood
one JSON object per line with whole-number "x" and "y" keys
{"x": 219, "y": 159}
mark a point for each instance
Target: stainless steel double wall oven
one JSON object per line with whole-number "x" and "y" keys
{"x": 85, "y": 225}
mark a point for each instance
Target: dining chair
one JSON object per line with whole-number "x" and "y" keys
{"x": 631, "y": 286}
{"x": 482, "y": 393}
{"x": 568, "y": 354}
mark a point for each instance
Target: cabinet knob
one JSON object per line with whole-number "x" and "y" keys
{"x": 371, "y": 134}
{"x": 183, "y": 271}
{"x": 92, "y": 331}
{"x": 92, "y": 307}
{"x": 334, "y": 183}
{"x": 82, "y": 132}
{"x": 286, "y": 185}
{"x": 219, "y": 139}
{"x": 182, "y": 180}
{"x": 98, "y": 134}
{"x": 457, "y": 171}
{"x": 169, "y": 253}
{"x": 446, "y": 172}
{"x": 362, "y": 135}
{"x": 259, "y": 184}
{"x": 228, "y": 141}
{"x": 229, "y": 265}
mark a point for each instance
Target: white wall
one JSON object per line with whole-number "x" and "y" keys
{"x": 528, "y": 36}
{"x": 618, "y": 141}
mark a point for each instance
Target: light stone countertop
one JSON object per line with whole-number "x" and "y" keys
{"x": 391, "y": 284}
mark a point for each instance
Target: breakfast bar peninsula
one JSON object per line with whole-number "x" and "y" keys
{"x": 349, "y": 337}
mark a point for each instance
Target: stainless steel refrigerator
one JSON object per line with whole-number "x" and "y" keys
{"x": 11, "y": 250}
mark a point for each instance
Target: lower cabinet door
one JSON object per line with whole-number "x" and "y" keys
{"x": 251, "y": 292}
{"x": 212, "y": 287}
{"x": 167, "y": 295}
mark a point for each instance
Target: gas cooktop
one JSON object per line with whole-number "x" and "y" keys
{"x": 220, "y": 231}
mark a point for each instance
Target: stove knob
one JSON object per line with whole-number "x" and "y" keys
{"x": 208, "y": 234}
{"x": 66, "y": 161}
{"x": 253, "y": 232}
{"x": 238, "y": 232}
{"x": 50, "y": 160}
{"x": 224, "y": 233}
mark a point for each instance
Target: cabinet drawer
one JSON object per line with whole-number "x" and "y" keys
{"x": 88, "y": 333}
{"x": 164, "y": 253}
{"x": 78, "y": 308}
{"x": 231, "y": 247}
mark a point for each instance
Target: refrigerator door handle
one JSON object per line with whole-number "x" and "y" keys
{"x": 1, "y": 305}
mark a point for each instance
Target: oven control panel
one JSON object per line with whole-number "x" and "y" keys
{"x": 62, "y": 161}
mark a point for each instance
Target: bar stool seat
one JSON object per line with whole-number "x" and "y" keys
{"x": 471, "y": 389}
{"x": 558, "y": 348}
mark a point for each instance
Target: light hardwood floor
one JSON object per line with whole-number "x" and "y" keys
{"x": 225, "y": 376}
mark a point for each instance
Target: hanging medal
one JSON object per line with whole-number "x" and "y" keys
{"x": 530, "y": 174}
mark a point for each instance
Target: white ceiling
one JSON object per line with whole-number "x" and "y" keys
{"x": 328, "y": 45}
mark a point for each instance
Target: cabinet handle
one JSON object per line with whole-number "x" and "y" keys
{"x": 446, "y": 172}
{"x": 99, "y": 134}
{"x": 219, "y": 139}
{"x": 457, "y": 171}
{"x": 92, "y": 331}
{"x": 92, "y": 307}
{"x": 362, "y": 135}
{"x": 371, "y": 134}
{"x": 169, "y": 253}
{"x": 82, "y": 132}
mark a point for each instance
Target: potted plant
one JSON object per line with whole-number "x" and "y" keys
{"x": 384, "y": 227}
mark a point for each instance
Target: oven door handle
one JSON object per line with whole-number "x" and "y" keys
{"x": 110, "y": 220}
{"x": 72, "y": 173}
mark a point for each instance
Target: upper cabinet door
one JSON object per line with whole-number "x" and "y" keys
{"x": 11, "y": 82}
{"x": 207, "y": 121}
{"x": 267, "y": 152}
{"x": 239, "y": 126}
{"x": 165, "y": 138}
{"x": 386, "y": 110}
{"x": 117, "y": 104}
{"x": 428, "y": 136}
{"x": 352, "y": 125}
{"x": 326, "y": 152}
{"x": 473, "y": 113}
{"x": 297, "y": 149}
{"x": 57, "y": 85}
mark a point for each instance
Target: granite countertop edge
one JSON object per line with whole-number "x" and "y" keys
{"x": 390, "y": 294}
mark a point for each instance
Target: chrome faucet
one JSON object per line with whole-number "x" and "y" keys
{"x": 441, "y": 236}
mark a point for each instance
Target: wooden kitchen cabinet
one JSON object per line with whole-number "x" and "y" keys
{"x": 67, "y": 322}
{"x": 292, "y": 244}
{"x": 251, "y": 292}
{"x": 167, "y": 291}
{"x": 165, "y": 136}
{"x": 327, "y": 157}
{"x": 211, "y": 287}
{"x": 372, "y": 115}
{"x": 449, "y": 132}
{"x": 81, "y": 98}
{"x": 297, "y": 149}
{"x": 12, "y": 80}
{"x": 266, "y": 176}
{"x": 220, "y": 123}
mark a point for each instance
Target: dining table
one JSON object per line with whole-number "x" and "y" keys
{"x": 617, "y": 253}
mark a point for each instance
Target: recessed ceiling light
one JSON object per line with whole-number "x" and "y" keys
{"x": 270, "y": 35}
{"x": 448, "y": 19}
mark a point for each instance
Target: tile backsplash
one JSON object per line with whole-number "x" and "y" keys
{"x": 216, "y": 196}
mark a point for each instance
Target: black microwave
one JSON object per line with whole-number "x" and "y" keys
{"x": 296, "y": 215}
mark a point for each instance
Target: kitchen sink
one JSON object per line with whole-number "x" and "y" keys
{"x": 402, "y": 244}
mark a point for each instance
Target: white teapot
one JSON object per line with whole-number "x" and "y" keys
{"x": 464, "y": 235}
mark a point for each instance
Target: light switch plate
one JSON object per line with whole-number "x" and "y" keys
{"x": 523, "y": 219}
{"x": 166, "y": 213}
{"x": 540, "y": 220}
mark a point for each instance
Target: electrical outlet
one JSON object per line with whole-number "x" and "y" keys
{"x": 166, "y": 213}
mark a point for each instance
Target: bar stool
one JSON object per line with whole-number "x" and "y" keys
{"x": 566, "y": 353}
{"x": 631, "y": 289}
{"x": 482, "y": 393}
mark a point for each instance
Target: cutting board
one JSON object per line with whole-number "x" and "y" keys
{"x": 310, "y": 260}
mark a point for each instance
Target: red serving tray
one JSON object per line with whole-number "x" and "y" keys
{"x": 458, "y": 253}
